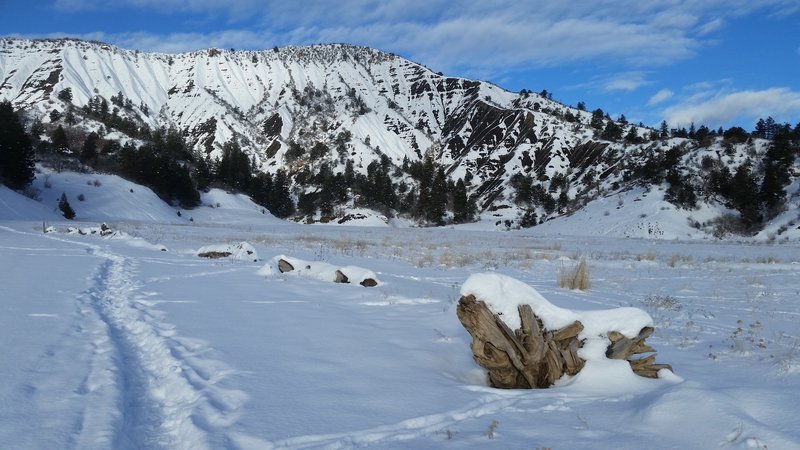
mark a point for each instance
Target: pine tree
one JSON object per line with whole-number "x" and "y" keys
{"x": 59, "y": 141}
{"x": 66, "y": 209}
{"x": 282, "y": 203}
{"x": 463, "y": 207}
{"x": 612, "y": 132}
{"x": 89, "y": 150}
{"x": 234, "y": 167}
{"x": 202, "y": 173}
{"x": 777, "y": 166}
{"x": 65, "y": 95}
{"x": 16, "y": 152}
{"x": 598, "y": 118}
{"x": 438, "y": 199}
{"x": 424, "y": 173}
{"x": 744, "y": 197}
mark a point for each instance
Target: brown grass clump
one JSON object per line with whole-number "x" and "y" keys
{"x": 577, "y": 278}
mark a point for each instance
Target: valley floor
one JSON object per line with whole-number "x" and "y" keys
{"x": 114, "y": 343}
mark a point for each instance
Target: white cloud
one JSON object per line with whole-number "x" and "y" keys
{"x": 496, "y": 35}
{"x": 723, "y": 109}
{"x": 710, "y": 27}
{"x": 628, "y": 82}
{"x": 660, "y": 96}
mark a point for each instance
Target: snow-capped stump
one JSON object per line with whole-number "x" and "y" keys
{"x": 524, "y": 341}
{"x": 241, "y": 251}
{"x": 321, "y": 271}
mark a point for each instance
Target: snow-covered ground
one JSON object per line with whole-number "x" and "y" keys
{"x": 133, "y": 341}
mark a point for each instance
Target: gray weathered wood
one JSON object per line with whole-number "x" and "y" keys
{"x": 534, "y": 357}
{"x": 284, "y": 266}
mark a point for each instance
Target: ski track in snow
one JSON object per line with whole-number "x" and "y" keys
{"x": 167, "y": 396}
{"x": 145, "y": 387}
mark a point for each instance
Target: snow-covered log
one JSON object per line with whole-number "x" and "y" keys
{"x": 320, "y": 271}
{"x": 524, "y": 341}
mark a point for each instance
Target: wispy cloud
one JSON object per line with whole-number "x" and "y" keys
{"x": 627, "y": 82}
{"x": 497, "y": 35}
{"x": 621, "y": 82}
{"x": 710, "y": 26}
{"x": 723, "y": 109}
{"x": 660, "y": 96}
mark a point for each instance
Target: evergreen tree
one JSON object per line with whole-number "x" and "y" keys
{"x": 632, "y": 137}
{"x": 664, "y": 129}
{"x": 88, "y": 153}
{"x": 306, "y": 204}
{"x": 438, "y": 199}
{"x": 202, "y": 173}
{"x": 612, "y": 132}
{"x": 424, "y": 172}
{"x": 59, "y": 141}
{"x": 529, "y": 219}
{"x": 282, "y": 203}
{"x": 598, "y": 119}
{"x": 66, "y": 209}
{"x": 777, "y": 166}
{"x": 744, "y": 197}
{"x": 16, "y": 152}
{"x": 234, "y": 167}
{"x": 463, "y": 207}
{"x": 65, "y": 95}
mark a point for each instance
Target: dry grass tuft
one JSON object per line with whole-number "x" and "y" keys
{"x": 576, "y": 278}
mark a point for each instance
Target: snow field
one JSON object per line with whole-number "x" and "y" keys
{"x": 198, "y": 353}
{"x": 115, "y": 343}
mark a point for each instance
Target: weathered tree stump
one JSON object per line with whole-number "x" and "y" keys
{"x": 341, "y": 277}
{"x": 534, "y": 357}
{"x": 284, "y": 266}
{"x": 214, "y": 255}
{"x": 368, "y": 282}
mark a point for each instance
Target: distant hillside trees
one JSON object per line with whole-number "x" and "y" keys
{"x": 16, "y": 152}
{"x": 166, "y": 176}
{"x": 235, "y": 172}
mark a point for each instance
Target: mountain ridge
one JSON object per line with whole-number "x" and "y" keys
{"x": 360, "y": 105}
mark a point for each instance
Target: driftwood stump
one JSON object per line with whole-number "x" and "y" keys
{"x": 534, "y": 357}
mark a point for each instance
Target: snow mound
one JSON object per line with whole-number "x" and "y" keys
{"x": 360, "y": 217}
{"x": 320, "y": 271}
{"x": 107, "y": 233}
{"x": 239, "y": 252}
{"x": 503, "y": 295}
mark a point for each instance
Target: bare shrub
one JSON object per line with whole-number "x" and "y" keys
{"x": 576, "y": 278}
{"x": 649, "y": 256}
{"x": 676, "y": 259}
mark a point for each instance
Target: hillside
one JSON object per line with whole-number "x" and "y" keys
{"x": 316, "y": 112}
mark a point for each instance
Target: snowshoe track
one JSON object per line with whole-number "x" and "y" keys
{"x": 166, "y": 396}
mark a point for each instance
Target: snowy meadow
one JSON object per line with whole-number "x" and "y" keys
{"x": 131, "y": 340}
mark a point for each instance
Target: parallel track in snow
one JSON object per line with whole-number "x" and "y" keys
{"x": 145, "y": 387}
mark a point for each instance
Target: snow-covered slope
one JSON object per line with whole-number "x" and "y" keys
{"x": 98, "y": 198}
{"x": 361, "y": 103}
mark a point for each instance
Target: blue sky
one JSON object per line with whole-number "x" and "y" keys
{"x": 712, "y": 62}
